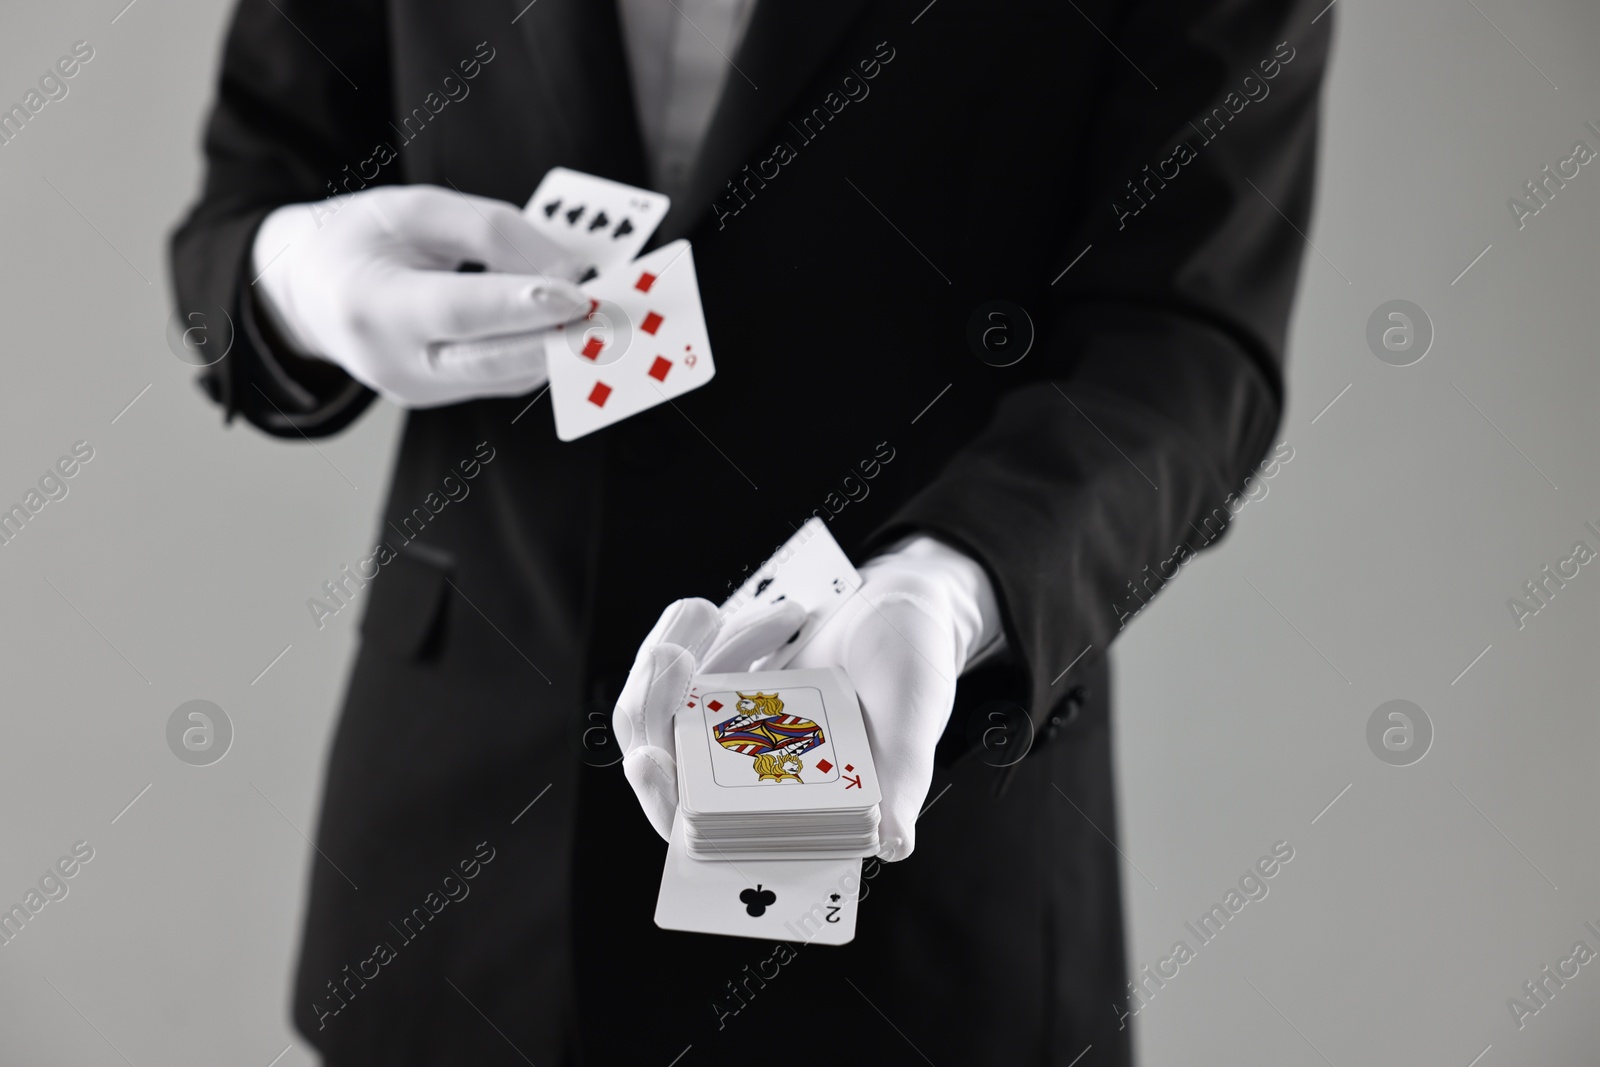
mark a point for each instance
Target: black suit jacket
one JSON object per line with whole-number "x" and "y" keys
{"x": 1130, "y": 174}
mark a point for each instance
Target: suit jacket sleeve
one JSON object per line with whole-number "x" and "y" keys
{"x": 304, "y": 84}
{"x": 1155, "y": 383}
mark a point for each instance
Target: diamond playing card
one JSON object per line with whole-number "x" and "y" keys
{"x": 775, "y": 741}
{"x": 599, "y": 223}
{"x": 772, "y": 738}
{"x": 775, "y": 765}
{"x": 643, "y": 343}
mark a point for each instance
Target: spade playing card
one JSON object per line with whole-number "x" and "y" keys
{"x": 811, "y": 570}
{"x": 643, "y": 343}
{"x": 599, "y": 223}
{"x": 810, "y": 901}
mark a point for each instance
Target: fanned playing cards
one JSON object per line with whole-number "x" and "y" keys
{"x": 644, "y": 341}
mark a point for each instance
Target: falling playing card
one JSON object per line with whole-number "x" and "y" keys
{"x": 600, "y": 223}
{"x": 811, "y": 570}
{"x": 785, "y": 900}
{"x": 643, "y": 343}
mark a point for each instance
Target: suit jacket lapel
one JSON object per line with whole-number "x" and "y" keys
{"x": 580, "y": 71}
{"x": 785, "y": 44}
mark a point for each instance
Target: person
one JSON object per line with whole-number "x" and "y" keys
{"x": 999, "y": 291}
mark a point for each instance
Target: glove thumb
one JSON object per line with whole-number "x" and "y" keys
{"x": 897, "y": 829}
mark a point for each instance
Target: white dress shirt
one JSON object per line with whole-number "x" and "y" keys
{"x": 681, "y": 55}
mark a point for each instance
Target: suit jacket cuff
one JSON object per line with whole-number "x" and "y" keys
{"x": 262, "y": 377}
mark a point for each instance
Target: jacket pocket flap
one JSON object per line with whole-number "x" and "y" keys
{"x": 406, "y": 613}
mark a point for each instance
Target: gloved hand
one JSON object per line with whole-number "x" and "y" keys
{"x": 689, "y": 639}
{"x": 923, "y": 613}
{"x": 369, "y": 281}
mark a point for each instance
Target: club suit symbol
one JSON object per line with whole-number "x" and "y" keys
{"x": 756, "y": 901}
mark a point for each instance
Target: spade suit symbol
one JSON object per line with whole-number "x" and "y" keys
{"x": 756, "y": 901}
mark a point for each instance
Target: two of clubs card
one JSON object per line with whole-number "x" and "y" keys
{"x": 644, "y": 341}
{"x": 777, "y": 805}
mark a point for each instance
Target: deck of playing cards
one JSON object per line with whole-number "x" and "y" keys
{"x": 775, "y": 765}
{"x": 777, "y": 794}
{"x": 777, "y": 805}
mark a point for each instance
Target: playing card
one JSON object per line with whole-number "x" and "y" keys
{"x": 811, "y": 901}
{"x": 773, "y": 741}
{"x": 771, "y": 738}
{"x": 643, "y": 343}
{"x": 811, "y": 570}
{"x": 600, "y": 223}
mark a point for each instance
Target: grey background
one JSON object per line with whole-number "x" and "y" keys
{"x": 1377, "y": 567}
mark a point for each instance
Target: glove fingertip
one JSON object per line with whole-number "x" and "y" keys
{"x": 661, "y": 822}
{"x": 666, "y": 659}
{"x": 652, "y": 774}
{"x": 555, "y": 291}
{"x": 895, "y": 848}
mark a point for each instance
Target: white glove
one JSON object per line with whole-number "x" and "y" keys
{"x": 924, "y": 612}
{"x": 369, "y": 281}
{"x": 689, "y": 639}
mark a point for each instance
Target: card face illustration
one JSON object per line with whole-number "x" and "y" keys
{"x": 773, "y": 741}
{"x": 781, "y": 738}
